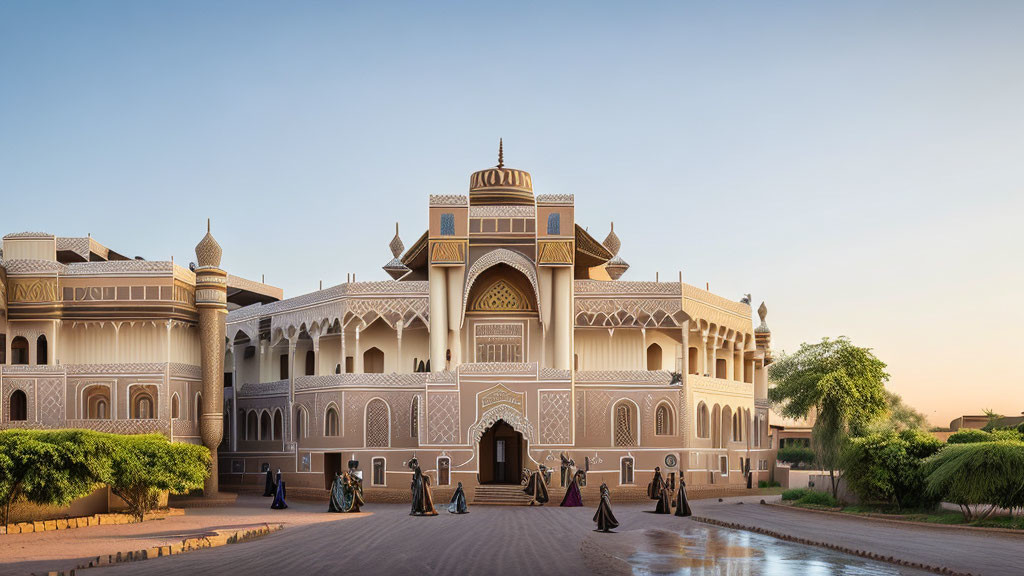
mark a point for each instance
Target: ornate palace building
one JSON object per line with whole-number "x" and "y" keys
{"x": 504, "y": 339}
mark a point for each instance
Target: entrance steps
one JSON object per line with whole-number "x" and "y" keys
{"x": 500, "y": 495}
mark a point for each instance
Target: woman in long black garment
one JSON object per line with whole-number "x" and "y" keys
{"x": 458, "y": 503}
{"x": 537, "y": 489}
{"x": 279, "y": 496}
{"x": 270, "y": 488}
{"x": 422, "y": 502}
{"x": 682, "y": 505}
{"x": 605, "y": 519}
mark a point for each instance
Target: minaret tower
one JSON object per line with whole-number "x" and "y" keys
{"x": 211, "y": 300}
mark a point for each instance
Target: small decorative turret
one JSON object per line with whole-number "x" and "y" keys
{"x": 395, "y": 268}
{"x": 615, "y": 267}
{"x": 211, "y": 300}
{"x": 763, "y": 334}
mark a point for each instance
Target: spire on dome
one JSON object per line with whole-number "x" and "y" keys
{"x": 501, "y": 154}
{"x": 762, "y": 311}
{"x": 208, "y": 251}
{"x": 396, "y": 245}
{"x": 612, "y": 242}
{"x": 395, "y": 268}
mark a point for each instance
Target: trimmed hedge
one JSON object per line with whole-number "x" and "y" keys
{"x": 56, "y": 467}
{"x": 796, "y": 455}
{"x": 804, "y": 496}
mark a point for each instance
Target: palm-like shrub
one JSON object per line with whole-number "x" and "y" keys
{"x": 143, "y": 466}
{"x": 886, "y": 467}
{"x": 979, "y": 477}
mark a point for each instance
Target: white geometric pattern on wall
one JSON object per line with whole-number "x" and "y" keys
{"x": 555, "y": 417}
{"x": 443, "y": 417}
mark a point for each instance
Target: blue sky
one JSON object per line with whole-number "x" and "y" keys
{"x": 857, "y": 166}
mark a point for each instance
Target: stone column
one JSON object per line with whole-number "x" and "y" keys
{"x": 438, "y": 318}
{"x": 456, "y": 280}
{"x": 358, "y": 368}
{"x": 686, "y": 350}
{"x": 211, "y": 300}
{"x": 316, "y": 355}
{"x": 344, "y": 365}
{"x": 400, "y": 361}
{"x": 562, "y": 316}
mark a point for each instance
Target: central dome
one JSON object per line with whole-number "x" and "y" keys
{"x": 500, "y": 185}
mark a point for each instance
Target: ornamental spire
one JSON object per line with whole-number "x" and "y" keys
{"x": 501, "y": 154}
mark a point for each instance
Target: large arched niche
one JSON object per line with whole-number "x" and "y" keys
{"x": 516, "y": 269}
{"x": 501, "y": 289}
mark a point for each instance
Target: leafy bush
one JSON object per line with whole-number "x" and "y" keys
{"x": 144, "y": 465}
{"x": 768, "y": 484}
{"x": 49, "y": 467}
{"x": 818, "y": 499}
{"x": 886, "y": 467}
{"x": 796, "y": 456}
{"x": 55, "y": 467}
{"x": 1007, "y": 434}
{"x": 968, "y": 436}
{"x": 979, "y": 477}
{"x": 808, "y": 496}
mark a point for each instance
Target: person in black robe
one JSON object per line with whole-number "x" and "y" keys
{"x": 422, "y": 501}
{"x": 270, "y": 488}
{"x": 664, "y": 501}
{"x": 657, "y": 484}
{"x": 458, "y": 504}
{"x": 279, "y": 495}
{"x": 537, "y": 489}
{"x": 605, "y": 519}
{"x": 682, "y": 505}
{"x": 337, "y": 495}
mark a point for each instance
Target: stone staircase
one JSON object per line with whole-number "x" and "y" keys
{"x": 499, "y": 495}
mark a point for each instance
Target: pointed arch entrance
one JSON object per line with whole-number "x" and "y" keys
{"x": 501, "y": 454}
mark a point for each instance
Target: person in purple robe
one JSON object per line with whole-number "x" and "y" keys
{"x": 573, "y": 497}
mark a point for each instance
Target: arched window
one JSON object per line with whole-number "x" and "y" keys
{"x": 142, "y": 407}
{"x": 175, "y": 408}
{"x": 379, "y": 468}
{"x": 373, "y": 361}
{"x": 725, "y": 427}
{"x": 332, "y": 424}
{"x": 252, "y": 426}
{"x": 19, "y": 351}
{"x": 663, "y": 421}
{"x": 444, "y": 467}
{"x": 757, "y": 432}
{"x": 310, "y": 363}
{"x": 300, "y": 424}
{"x": 703, "y": 426}
{"x": 377, "y": 420}
{"x": 278, "y": 425}
{"x": 283, "y": 367}
{"x": 654, "y": 357}
{"x": 625, "y": 424}
{"x": 414, "y": 418}
{"x": 199, "y": 406}
{"x": 626, "y": 470}
{"x": 737, "y": 426}
{"x": 96, "y": 402}
{"x": 41, "y": 354}
{"x": 716, "y": 427}
{"x": 692, "y": 360}
{"x": 265, "y": 428}
{"x": 19, "y": 406}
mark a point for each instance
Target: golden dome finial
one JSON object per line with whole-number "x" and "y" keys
{"x": 501, "y": 154}
{"x": 208, "y": 251}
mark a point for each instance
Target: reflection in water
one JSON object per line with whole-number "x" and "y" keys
{"x": 699, "y": 550}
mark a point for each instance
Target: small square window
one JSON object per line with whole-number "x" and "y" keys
{"x": 554, "y": 223}
{"x": 448, "y": 224}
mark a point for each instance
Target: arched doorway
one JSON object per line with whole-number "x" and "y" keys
{"x": 501, "y": 455}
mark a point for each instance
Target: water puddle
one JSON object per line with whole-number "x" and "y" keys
{"x": 699, "y": 550}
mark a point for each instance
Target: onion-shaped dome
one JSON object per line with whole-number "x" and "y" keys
{"x": 616, "y": 267}
{"x": 208, "y": 251}
{"x": 501, "y": 185}
{"x": 612, "y": 242}
{"x": 762, "y": 311}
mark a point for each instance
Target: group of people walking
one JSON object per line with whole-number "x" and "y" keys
{"x": 347, "y": 493}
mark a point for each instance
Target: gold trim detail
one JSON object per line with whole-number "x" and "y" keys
{"x": 556, "y": 252}
{"x": 502, "y": 296}
{"x": 447, "y": 251}
{"x": 33, "y": 290}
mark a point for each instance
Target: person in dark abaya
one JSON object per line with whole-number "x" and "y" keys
{"x": 573, "y": 497}
{"x": 346, "y": 493}
{"x": 422, "y": 501}
{"x": 537, "y": 489}
{"x": 664, "y": 501}
{"x": 458, "y": 504}
{"x": 657, "y": 484}
{"x": 605, "y": 519}
{"x": 270, "y": 489}
{"x": 337, "y": 495}
{"x": 682, "y": 505}
{"x": 279, "y": 495}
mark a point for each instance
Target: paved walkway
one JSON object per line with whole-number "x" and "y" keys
{"x": 504, "y": 540}
{"x": 965, "y": 551}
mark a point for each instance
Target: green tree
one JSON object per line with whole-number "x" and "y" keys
{"x": 980, "y": 477}
{"x": 899, "y": 416}
{"x": 143, "y": 466}
{"x": 843, "y": 384}
{"x": 50, "y": 467}
{"x": 993, "y": 419}
{"x": 886, "y": 467}
{"x": 796, "y": 455}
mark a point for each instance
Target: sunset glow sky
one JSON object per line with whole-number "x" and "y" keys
{"x": 859, "y": 168}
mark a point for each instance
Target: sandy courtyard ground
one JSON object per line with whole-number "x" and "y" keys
{"x": 490, "y": 540}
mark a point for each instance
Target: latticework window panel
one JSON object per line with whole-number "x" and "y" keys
{"x": 624, "y": 430}
{"x": 662, "y": 421}
{"x": 414, "y": 418}
{"x": 377, "y": 424}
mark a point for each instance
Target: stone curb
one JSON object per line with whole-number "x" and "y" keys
{"x": 84, "y": 521}
{"x": 214, "y": 540}
{"x": 835, "y": 547}
{"x": 877, "y": 518}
